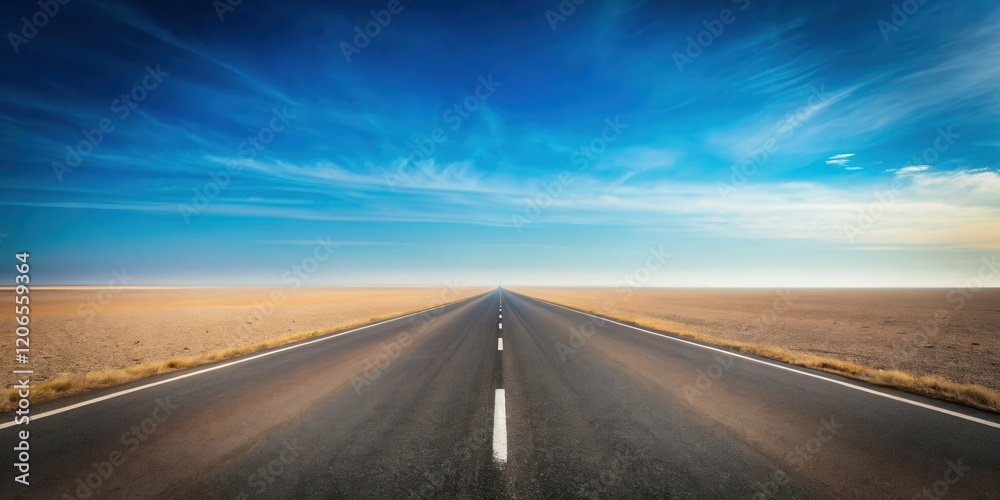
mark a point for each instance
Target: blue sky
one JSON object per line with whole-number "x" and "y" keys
{"x": 758, "y": 143}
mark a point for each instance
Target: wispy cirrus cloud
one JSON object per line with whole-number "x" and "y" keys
{"x": 839, "y": 159}
{"x": 958, "y": 209}
{"x": 830, "y": 113}
{"x": 909, "y": 170}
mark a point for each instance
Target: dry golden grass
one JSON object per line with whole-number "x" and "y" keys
{"x": 917, "y": 331}
{"x": 75, "y": 383}
{"x": 972, "y": 395}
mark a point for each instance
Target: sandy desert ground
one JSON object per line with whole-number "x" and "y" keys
{"x": 936, "y": 332}
{"x": 77, "y": 330}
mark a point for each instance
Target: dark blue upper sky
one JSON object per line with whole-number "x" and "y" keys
{"x": 759, "y": 143}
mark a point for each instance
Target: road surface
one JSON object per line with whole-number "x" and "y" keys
{"x": 503, "y": 396}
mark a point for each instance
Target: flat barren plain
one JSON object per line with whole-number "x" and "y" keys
{"x": 82, "y": 330}
{"x": 951, "y": 334}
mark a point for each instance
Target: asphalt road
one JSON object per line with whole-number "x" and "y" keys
{"x": 429, "y": 406}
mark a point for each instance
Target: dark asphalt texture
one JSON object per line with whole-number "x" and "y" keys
{"x": 594, "y": 409}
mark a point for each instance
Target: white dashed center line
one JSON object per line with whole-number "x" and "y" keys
{"x": 500, "y": 407}
{"x": 499, "y": 428}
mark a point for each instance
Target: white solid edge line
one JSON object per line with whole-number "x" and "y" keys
{"x": 217, "y": 367}
{"x": 499, "y": 427}
{"x": 499, "y": 344}
{"x": 793, "y": 370}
